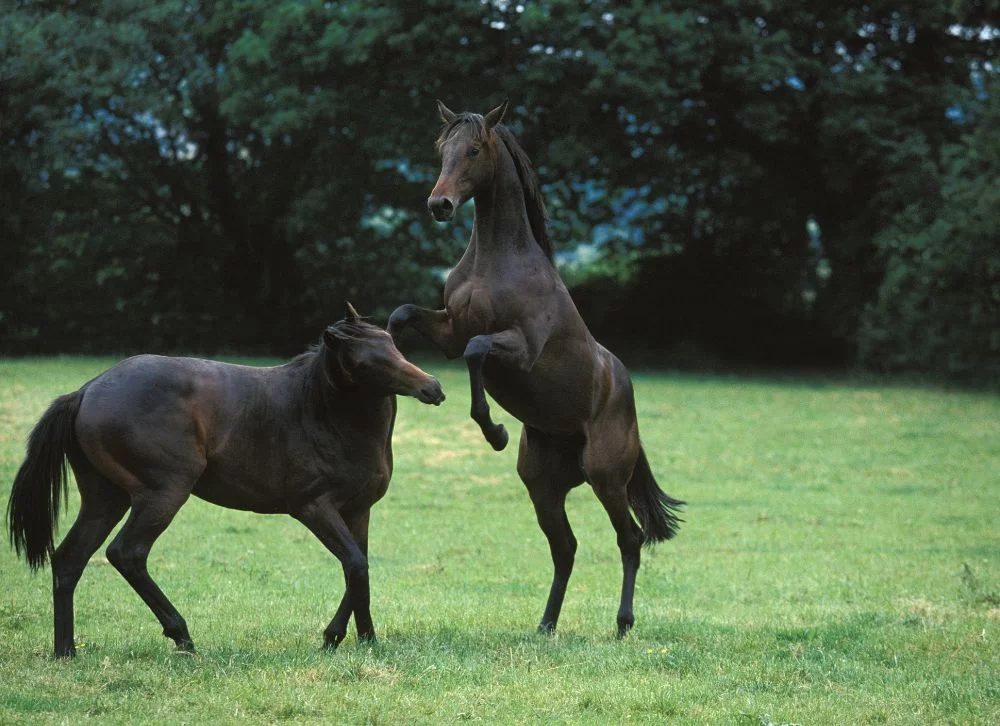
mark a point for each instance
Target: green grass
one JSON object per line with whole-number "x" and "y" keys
{"x": 820, "y": 578}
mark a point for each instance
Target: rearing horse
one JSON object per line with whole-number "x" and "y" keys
{"x": 509, "y": 314}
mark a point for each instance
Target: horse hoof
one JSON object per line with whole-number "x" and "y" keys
{"x": 185, "y": 646}
{"x": 498, "y": 438}
{"x": 547, "y": 628}
{"x": 331, "y": 641}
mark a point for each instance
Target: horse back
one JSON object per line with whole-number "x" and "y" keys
{"x": 153, "y": 418}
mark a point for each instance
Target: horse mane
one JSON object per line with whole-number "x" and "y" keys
{"x": 312, "y": 357}
{"x": 533, "y": 201}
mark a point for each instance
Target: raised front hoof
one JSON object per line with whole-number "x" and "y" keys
{"x": 185, "y": 646}
{"x": 497, "y": 436}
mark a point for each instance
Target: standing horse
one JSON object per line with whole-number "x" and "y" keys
{"x": 311, "y": 438}
{"x": 509, "y": 314}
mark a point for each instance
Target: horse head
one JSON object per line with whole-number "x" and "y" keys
{"x": 359, "y": 355}
{"x": 469, "y": 155}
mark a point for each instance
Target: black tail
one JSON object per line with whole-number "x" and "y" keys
{"x": 657, "y": 512}
{"x": 40, "y": 485}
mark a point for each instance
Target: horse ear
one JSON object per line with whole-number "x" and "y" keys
{"x": 447, "y": 115}
{"x": 351, "y": 315}
{"x": 496, "y": 115}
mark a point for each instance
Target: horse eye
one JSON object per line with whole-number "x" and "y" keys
{"x": 473, "y": 151}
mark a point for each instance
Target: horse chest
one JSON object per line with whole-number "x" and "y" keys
{"x": 470, "y": 307}
{"x": 360, "y": 478}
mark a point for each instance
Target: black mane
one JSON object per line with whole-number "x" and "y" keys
{"x": 344, "y": 330}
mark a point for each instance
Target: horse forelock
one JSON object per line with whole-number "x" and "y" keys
{"x": 349, "y": 330}
{"x": 464, "y": 123}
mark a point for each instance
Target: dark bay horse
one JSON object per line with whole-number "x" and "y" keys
{"x": 311, "y": 438}
{"x": 509, "y": 314}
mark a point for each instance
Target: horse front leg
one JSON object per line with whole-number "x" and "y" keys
{"x": 434, "y": 325}
{"x": 324, "y": 520}
{"x": 510, "y": 349}
{"x": 337, "y": 629}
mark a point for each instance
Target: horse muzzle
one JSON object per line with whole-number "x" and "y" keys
{"x": 431, "y": 392}
{"x": 441, "y": 208}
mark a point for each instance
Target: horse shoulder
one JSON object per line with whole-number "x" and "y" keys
{"x": 351, "y": 453}
{"x": 360, "y": 436}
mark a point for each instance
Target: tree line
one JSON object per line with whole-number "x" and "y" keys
{"x": 746, "y": 181}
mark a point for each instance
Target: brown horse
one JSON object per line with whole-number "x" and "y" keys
{"x": 311, "y": 438}
{"x": 509, "y": 314}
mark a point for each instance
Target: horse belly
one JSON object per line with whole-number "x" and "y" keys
{"x": 555, "y": 405}
{"x": 237, "y": 488}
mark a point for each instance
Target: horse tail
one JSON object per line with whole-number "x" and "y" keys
{"x": 656, "y": 512}
{"x": 40, "y": 487}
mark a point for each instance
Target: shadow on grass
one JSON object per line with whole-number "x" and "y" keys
{"x": 688, "y": 642}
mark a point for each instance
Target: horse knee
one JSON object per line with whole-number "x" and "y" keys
{"x": 475, "y": 353}
{"x": 357, "y": 569}
{"x": 476, "y": 349}
{"x": 400, "y": 318}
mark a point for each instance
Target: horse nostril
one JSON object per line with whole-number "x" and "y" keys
{"x": 432, "y": 392}
{"x": 440, "y": 207}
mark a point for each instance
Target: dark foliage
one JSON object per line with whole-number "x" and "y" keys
{"x": 761, "y": 181}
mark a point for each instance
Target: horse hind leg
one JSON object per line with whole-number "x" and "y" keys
{"x": 549, "y": 468}
{"x": 609, "y": 478}
{"x": 102, "y": 505}
{"x": 152, "y": 512}
{"x": 611, "y": 493}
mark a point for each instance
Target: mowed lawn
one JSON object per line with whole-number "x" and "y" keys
{"x": 840, "y": 563}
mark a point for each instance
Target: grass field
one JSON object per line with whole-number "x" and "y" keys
{"x": 840, "y": 563}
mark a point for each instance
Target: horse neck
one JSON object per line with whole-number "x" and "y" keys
{"x": 329, "y": 404}
{"x": 501, "y": 225}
